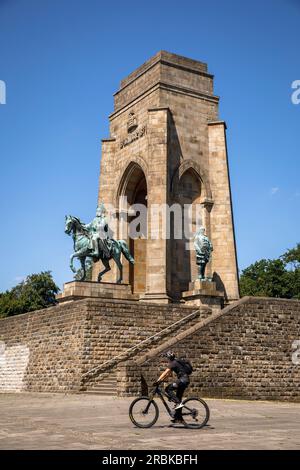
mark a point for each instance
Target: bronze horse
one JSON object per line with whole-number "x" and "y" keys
{"x": 82, "y": 250}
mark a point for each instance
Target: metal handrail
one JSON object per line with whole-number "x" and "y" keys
{"x": 127, "y": 351}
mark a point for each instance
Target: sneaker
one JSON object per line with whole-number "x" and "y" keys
{"x": 177, "y": 421}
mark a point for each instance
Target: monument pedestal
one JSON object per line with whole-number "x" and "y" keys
{"x": 155, "y": 298}
{"x": 203, "y": 293}
{"x": 76, "y": 290}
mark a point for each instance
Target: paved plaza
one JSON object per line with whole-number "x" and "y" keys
{"x": 56, "y": 421}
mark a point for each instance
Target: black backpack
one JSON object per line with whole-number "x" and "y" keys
{"x": 188, "y": 368}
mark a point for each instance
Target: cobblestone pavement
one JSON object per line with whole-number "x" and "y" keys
{"x": 56, "y": 421}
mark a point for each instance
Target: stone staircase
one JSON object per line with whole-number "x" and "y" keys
{"x": 102, "y": 379}
{"x": 105, "y": 387}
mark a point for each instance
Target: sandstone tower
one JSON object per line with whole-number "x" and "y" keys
{"x": 167, "y": 145}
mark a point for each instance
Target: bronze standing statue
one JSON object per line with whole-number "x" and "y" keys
{"x": 204, "y": 248}
{"x": 93, "y": 240}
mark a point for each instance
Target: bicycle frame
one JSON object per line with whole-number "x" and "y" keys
{"x": 161, "y": 394}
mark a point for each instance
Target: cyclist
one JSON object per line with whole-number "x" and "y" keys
{"x": 182, "y": 369}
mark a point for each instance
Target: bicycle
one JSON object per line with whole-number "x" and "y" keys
{"x": 144, "y": 411}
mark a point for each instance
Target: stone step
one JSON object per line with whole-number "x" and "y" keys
{"x": 112, "y": 391}
{"x": 113, "y": 383}
{"x": 102, "y": 383}
{"x": 140, "y": 349}
{"x": 106, "y": 387}
{"x": 101, "y": 393}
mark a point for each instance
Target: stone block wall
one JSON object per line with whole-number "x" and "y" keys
{"x": 42, "y": 350}
{"x": 13, "y": 364}
{"x": 50, "y": 349}
{"x": 245, "y": 353}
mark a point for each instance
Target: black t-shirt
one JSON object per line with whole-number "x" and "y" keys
{"x": 178, "y": 368}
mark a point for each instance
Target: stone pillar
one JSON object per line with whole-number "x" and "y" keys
{"x": 107, "y": 196}
{"x": 156, "y": 281}
{"x": 224, "y": 260}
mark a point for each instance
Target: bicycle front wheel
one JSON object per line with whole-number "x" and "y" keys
{"x": 195, "y": 413}
{"x": 143, "y": 412}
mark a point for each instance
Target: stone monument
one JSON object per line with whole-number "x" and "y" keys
{"x": 167, "y": 148}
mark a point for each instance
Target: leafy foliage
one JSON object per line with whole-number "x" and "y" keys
{"x": 273, "y": 278}
{"x": 37, "y": 291}
{"x": 292, "y": 257}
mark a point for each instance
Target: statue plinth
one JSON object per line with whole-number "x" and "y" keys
{"x": 203, "y": 293}
{"x": 77, "y": 290}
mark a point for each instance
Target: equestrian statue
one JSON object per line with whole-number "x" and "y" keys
{"x": 94, "y": 241}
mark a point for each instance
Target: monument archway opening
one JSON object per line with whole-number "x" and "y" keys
{"x": 134, "y": 194}
{"x": 189, "y": 196}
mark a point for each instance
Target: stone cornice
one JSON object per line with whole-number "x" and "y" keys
{"x": 168, "y": 87}
{"x": 170, "y": 60}
{"x": 217, "y": 123}
{"x": 108, "y": 139}
{"x": 159, "y": 108}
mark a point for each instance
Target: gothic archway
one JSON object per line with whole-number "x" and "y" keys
{"x": 189, "y": 188}
{"x": 200, "y": 174}
{"x": 133, "y": 193}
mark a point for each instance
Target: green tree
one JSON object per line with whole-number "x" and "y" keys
{"x": 292, "y": 257}
{"x": 273, "y": 278}
{"x": 37, "y": 291}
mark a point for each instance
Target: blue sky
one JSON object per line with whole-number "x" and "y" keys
{"x": 62, "y": 60}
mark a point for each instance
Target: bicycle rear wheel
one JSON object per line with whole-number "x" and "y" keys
{"x": 143, "y": 412}
{"x": 195, "y": 413}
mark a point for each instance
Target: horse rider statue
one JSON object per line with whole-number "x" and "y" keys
{"x": 99, "y": 235}
{"x": 94, "y": 240}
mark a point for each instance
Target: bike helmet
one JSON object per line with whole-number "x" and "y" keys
{"x": 170, "y": 355}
